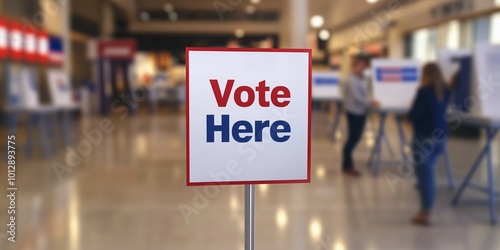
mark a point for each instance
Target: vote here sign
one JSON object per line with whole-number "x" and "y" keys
{"x": 248, "y": 116}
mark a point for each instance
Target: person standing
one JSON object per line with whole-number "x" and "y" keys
{"x": 430, "y": 133}
{"x": 356, "y": 102}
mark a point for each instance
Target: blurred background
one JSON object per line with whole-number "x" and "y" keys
{"x": 94, "y": 92}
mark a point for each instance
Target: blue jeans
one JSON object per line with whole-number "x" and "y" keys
{"x": 356, "y": 124}
{"x": 424, "y": 156}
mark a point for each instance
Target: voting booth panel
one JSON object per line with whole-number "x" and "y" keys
{"x": 456, "y": 68}
{"x": 14, "y": 95}
{"x": 326, "y": 86}
{"x": 487, "y": 62}
{"x": 449, "y": 61}
{"x": 21, "y": 88}
{"x": 60, "y": 88}
{"x": 248, "y": 116}
{"x": 488, "y": 80}
{"x": 395, "y": 82}
{"x": 29, "y": 87}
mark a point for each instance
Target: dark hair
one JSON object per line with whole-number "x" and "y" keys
{"x": 361, "y": 58}
{"x": 432, "y": 76}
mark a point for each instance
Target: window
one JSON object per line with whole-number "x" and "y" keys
{"x": 424, "y": 45}
{"x": 495, "y": 27}
{"x": 453, "y": 35}
{"x": 482, "y": 30}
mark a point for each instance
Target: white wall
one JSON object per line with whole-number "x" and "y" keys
{"x": 52, "y": 12}
{"x": 57, "y": 21}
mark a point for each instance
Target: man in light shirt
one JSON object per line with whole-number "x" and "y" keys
{"x": 356, "y": 102}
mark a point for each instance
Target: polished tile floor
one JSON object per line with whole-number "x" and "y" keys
{"x": 129, "y": 193}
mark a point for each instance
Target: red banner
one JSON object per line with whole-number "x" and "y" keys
{"x": 16, "y": 46}
{"x": 30, "y": 44}
{"x": 42, "y": 47}
{"x": 4, "y": 38}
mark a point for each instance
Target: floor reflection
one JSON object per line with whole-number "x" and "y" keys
{"x": 128, "y": 192}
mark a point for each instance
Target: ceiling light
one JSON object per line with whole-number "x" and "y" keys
{"x": 239, "y": 33}
{"x": 324, "y": 34}
{"x": 168, "y": 7}
{"x": 255, "y": 1}
{"x": 371, "y": 1}
{"x": 250, "y": 9}
{"x": 144, "y": 16}
{"x": 317, "y": 21}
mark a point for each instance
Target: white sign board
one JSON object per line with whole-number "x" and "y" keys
{"x": 448, "y": 61}
{"x": 326, "y": 86}
{"x": 60, "y": 88}
{"x": 487, "y": 59}
{"x": 395, "y": 82}
{"x": 14, "y": 95}
{"x": 248, "y": 116}
{"x": 29, "y": 87}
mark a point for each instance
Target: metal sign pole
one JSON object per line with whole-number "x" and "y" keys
{"x": 249, "y": 216}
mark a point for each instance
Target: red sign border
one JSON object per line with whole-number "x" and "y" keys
{"x": 308, "y": 180}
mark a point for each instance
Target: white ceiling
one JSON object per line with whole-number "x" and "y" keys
{"x": 344, "y": 11}
{"x": 335, "y": 12}
{"x": 207, "y": 4}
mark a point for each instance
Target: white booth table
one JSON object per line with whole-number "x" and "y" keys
{"x": 491, "y": 126}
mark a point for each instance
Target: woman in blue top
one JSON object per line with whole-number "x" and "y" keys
{"x": 430, "y": 133}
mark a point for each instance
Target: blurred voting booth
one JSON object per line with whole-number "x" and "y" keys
{"x": 457, "y": 69}
{"x": 326, "y": 85}
{"x": 485, "y": 115}
{"x": 395, "y": 82}
{"x": 60, "y": 89}
{"x": 326, "y": 90}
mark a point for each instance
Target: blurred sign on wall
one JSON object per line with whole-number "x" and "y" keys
{"x": 117, "y": 49}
